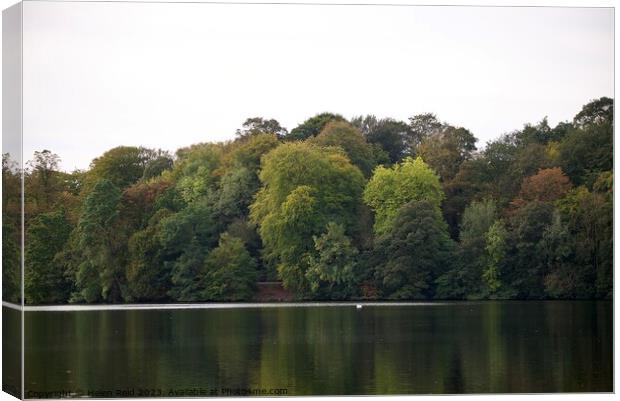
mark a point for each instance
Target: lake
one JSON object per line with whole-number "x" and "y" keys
{"x": 443, "y": 347}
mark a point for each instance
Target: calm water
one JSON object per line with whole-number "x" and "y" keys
{"x": 548, "y": 346}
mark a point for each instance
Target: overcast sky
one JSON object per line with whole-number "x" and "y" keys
{"x": 99, "y": 75}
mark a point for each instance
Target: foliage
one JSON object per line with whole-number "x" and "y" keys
{"x": 391, "y": 135}
{"x": 229, "y": 272}
{"x": 122, "y": 166}
{"x": 11, "y": 262}
{"x": 312, "y": 126}
{"x": 304, "y": 188}
{"x": 496, "y": 250}
{"x": 478, "y": 219}
{"x": 331, "y": 272}
{"x": 587, "y": 152}
{"x": 596, "y": 112}
{"x": 446, "y": 149}
{"x": 547, "y": 185}
{"x": 196, "y": 171}
{"x": 98, "y": 276}
{"x": 391, "y": 188}
{"x": 528, "y": 216}
{"x": 421, "y": 126}
{"x": 526, "y": 262}
{"x": 258, "y": 125}
{"x": 155, "y": 167}
{"x": 414, "y": 253}
{"x": 148, "y": 274}
{"x": 351, "y": 141}
{"x": 45, "y": 281}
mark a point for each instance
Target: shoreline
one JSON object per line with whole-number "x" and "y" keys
{"x": 254, "y": 305}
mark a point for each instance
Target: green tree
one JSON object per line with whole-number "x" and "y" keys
{"x": 304, "y": 188}
{"x": 585, "y": 153}
{"x": 496, "y": 248}
{"x": 312, "y": 126}
{"x": 446, "y": 149}
{"x": 391, "y": 135}
{"x": 351, "y": 141}
{"x": 331, "y": 270}
{"x": 45, "y": 281}
{"x": 597, "y": 112}
{"x": 563, "y": 278}
{"x": 421, "y": 126}
{"x": 41, "y": 181}
{"x": 148, "y": 274}
{"x": 391, "y": 188}
{"x": 11, "y": 262}
{"x": 416, "y": 252}
{"x": 196, "y": 172}
{"x": 156, "y": 166}
{"x": 186, "y": 273}
{"x": 588, "y": 217}
{"x": 236, "y": 192}
{"x": 122, "y": 166}
{"x": 477, "y": 220}
{"x": 526, "y": 266}
{"x": 99, "y": 275}
{"x": 186, "y": 237}
{"x": 258, "y": 125}
{"x": 229, "y": 272}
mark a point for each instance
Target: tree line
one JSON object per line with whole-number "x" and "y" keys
{"x": 335, "y": 209}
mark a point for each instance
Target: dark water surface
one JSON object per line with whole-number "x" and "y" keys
{"x": 463, "y": 347}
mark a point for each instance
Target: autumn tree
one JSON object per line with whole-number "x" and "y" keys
{"x": 547, "y": 185}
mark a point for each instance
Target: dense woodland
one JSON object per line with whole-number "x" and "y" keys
{"x": 338, "y": 209}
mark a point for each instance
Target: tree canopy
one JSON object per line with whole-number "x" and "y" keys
{"x": 371, "y": 208}
{"x": 391, "y": 188}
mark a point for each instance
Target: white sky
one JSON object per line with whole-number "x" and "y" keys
{"x": 99, "y": 75}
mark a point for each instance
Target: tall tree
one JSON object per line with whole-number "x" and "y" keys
{"x": 304, "y": 188}
{"x": 148, "y": 274}
{"x": 99, "y": 275}
{"x": 421, "y": 126}
{"x": 477, "y": 220}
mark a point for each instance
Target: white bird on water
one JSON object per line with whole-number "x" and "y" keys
{"x": 358, "y": 306}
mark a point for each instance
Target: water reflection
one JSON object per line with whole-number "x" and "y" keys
{"x": 457, "y": 348}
